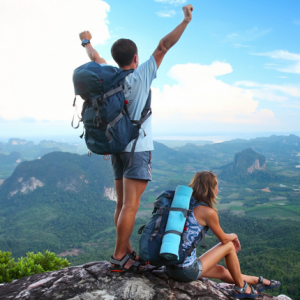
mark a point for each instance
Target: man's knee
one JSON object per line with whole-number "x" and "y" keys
{"x": 131, "y": 206}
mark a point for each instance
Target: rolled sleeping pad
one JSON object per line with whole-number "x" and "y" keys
{"x": 176, "y": 221}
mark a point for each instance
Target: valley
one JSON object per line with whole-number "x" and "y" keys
{"x": 64, "y": 202}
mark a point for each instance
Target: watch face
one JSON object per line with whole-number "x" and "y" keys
{"x": 85, "y": 41}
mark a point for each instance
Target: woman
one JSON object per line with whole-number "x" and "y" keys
{"x": 205, "y": 190}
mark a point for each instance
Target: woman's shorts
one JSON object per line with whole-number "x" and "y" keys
{"x": 186, "y": 274}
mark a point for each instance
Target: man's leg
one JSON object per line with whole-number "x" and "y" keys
{"x": 119, "y": 192}
{"x": 119, "y": 205}
{"x": 132, "y": 191}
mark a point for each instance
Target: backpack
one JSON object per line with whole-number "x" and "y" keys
{"x": 108, "y": 128}
{"x": 152, "y": 233}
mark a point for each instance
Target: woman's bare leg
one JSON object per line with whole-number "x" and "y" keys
{"x": 219, "y": 272}
{"x": 210, "y": 259}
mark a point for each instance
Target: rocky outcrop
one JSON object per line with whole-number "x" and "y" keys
{"x": 256, "y": 166}
{"x": 110, "y": 193}
{"x": 93, "y": 281}
{"x": 27, "y": 186}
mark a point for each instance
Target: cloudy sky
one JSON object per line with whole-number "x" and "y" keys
{"x": 236, "y": 69}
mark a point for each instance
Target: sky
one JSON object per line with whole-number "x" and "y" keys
{"x": 235, "y": 70}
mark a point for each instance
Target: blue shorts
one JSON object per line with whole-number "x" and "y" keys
{"x": 141, "y": 167}
{"x": 186, "y": 274}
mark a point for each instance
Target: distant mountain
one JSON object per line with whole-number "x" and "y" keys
{"x": 13, "y": 158}
{"x": 8, "y": 163}
{"x": 246, "y": 162}
{"x": 274, "y": 147}
{"x": 292, "y": 139}
{"x": 29, "y": 150}
{"x": 55, "y": 202}
{"x": 247, "y": 165}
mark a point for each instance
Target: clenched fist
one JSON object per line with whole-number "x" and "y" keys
{"x": 85, "y": 35}
{"x": 187, "y": 11}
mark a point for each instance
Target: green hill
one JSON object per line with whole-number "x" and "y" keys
{"x": 58, "y": 203}
{"x": 54, "y": 203}
{"x": 245, "y": 163}
{"x": 8, "y": 163}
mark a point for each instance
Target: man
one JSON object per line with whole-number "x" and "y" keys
{"x": 130, "y": 182}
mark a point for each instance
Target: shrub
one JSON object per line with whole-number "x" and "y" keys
{"x": 29, "y": 265}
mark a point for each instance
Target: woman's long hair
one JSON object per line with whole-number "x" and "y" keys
{"x": 203, "y": 185}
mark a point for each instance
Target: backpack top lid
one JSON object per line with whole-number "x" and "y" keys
{"x": 92, "y": 80}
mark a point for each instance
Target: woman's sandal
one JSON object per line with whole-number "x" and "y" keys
{"x": 259, "y": 287}
{"x": 241, "y": 292}
{"x": 119, "y": 265}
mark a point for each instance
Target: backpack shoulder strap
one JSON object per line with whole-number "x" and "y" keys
{"x": 146, "y": 113}
{"x": 159, "y": 210}
{"x": 201, "y": 235}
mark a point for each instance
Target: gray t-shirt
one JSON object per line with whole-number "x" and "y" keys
{"x": 137, "y": 87}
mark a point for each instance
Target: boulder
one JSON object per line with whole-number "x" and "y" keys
{"x": 93, "y": 281}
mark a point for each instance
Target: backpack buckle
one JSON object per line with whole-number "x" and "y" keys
{"x": 100, "y": 101}
{"x": 160, "y": 210}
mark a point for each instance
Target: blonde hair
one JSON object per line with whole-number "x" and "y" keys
{"x": 203, "y": 185}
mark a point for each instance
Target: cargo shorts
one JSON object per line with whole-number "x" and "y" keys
{"x": 141, "y": 167}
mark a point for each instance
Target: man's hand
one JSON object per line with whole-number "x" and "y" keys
{"x": 172, "y": 38}
{"x": 237, "y": 245}
{"x": 85, "y": 35}
{"x": 187, "y": 11}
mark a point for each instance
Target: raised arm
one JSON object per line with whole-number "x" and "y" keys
{"x": 172, "y": 38}
{"x": 91, "y": 52}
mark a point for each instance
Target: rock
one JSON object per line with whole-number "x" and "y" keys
{"x": 93, "y": 281}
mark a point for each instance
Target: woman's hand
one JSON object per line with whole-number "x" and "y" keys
{"x": 237, "y": 245}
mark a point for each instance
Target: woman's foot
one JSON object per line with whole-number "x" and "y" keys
{"x": 265, "y": 284}
{"x": 244, "y": 292}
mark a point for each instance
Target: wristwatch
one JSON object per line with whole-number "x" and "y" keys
{"x": 85, "y": 42}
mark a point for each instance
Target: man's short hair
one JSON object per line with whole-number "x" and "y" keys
{"x": 123, "y": 51}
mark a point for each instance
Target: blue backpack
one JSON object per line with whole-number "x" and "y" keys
{"x": 152, "y": 233}
{"x": 108, "y": 129}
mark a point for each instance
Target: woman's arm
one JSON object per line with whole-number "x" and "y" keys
{"x": 91, "y": 52}
{"x": 209, "y": 217}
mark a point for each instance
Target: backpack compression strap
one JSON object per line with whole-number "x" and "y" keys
{"x": 146, "y": 113}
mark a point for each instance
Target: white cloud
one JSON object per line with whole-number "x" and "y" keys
{"x": 199, "y": 97}
{"x": 166, "y": 14}
{"x": 240, "y": 46}
{"x": 271, "y": 92}
{"x": 297, "y": 22}
{"x": 40, "y": 49}
{"x": 232, "y": 35}
{"x": 174, "y": 2}
{"x": 283, "y": 56}
{"x": 247, "y": 35}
